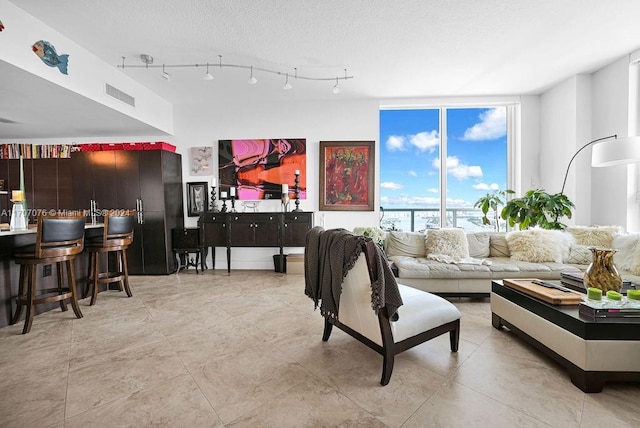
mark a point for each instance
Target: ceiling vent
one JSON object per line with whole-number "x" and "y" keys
{"x": 118, "y": 94}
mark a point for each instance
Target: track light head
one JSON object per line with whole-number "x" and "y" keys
{"x": 252, "y": 80}
{"x": 165, "y": 75}
{"x": 208, "y": 76}
{"x": 287, "y": 85}
{"x": 336, "y": 87}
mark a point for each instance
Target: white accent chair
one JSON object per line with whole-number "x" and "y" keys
{"x": 422, "y": 317}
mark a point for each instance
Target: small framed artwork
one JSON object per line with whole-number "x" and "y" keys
{"x": 347, "y": 175}
{"x": 197, "y": 198}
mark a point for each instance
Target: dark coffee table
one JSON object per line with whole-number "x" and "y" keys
{"x": 592, "y": 352}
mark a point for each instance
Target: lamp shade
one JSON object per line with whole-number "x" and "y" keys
{"x": 619, "y": 151}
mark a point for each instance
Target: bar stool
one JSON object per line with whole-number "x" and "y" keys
{"x": 116, "y": 238}
{"x": 58, "y": 240}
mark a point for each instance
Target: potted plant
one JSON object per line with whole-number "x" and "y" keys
{"x": 538, "y": 208}
{"x": 491, "y": 201}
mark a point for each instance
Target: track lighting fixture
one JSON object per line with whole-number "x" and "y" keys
{"x": 165, "y": 75}
{"x": 147, "y": 62}
{"x": 208, "y": 76}
{"x": 336, "y": 87}
{"x": 252, "y": 80}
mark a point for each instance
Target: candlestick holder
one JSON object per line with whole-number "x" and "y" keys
{"x": 233, "y": 204}
{"x": 224, "y": 206}
{"x": 214, "y": 205}
{"x": 296, "y": 192}
{"x": 285, "y": 201}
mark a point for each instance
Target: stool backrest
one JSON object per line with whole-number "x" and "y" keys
{"x": 118, "y": 227}
{"x": 60, "y": 235}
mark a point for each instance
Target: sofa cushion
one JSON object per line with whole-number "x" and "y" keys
{"x": 579, "y": 255}
{"x": 409, "y": 244}
{"x": 597, "y": 236}
{"x": 450, "y": 242}
{"x": 479, "y": 244}
{"x": 498, "y": 246}
{"x": 627, "y": 256}
{"x": 539, "y": 245}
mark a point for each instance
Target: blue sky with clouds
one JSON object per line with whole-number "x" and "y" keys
{"x": 410, "y": 156}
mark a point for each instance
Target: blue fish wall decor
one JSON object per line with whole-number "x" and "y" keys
{"x": 47, "y": 53}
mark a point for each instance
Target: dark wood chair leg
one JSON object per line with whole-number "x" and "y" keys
{"x": 454, "y": 338}
{"x": 72, "y": 288}
{"x": 87, "y": 287}
{"x": 327, "y": 330}
{"x": 125, "y": 271}
{"x": 31, "y": 291}
{"x": 387, "y": 366}
{"x": 21, "y": 296}
{"x": 59, "y": 275}
{"x": 95, "y": 264}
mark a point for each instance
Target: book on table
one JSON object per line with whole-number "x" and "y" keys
{"x": 603, "y": 310}
{"x": 575, "y": 281}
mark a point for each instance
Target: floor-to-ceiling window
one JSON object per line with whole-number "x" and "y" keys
{"x": 440, "y": 160}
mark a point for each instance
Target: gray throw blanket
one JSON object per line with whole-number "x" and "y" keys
{"x": 329, "y": 255}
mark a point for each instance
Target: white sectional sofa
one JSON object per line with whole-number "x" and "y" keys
{"x": 450, "y": 262}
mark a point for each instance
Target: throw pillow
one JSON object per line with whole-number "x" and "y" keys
{"x": 627, "y": 256}
{"x": 478, "y": 244}
{"x": 408, "y": 244}
{"x": 449, "y": 242}
{"x": 596, "y": 236}
{"x": 538, "y": 245}
{"x": 579, "y": 255}
{"x": 498, "y": 246}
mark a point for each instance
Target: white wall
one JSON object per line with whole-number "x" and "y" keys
{"x": 610, "y": 116}
{"x": 203, "y": 124}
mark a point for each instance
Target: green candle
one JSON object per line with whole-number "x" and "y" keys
{"x": 594, "y": 293}
{"x": 614, "y": 295}
{"x": 633, "y": 294}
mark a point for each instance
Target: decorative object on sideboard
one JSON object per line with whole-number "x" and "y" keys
{"x": 213, "y": 206}
{"x": 232, "y": 192}
{"x": 223, "y": 198}
{"x": 296, "y": 191}
{"x": 197, "y": 196}
{"x": 147, "y": 62}
{"x": 285, "y": 197}
{"x": 602, "y": 272}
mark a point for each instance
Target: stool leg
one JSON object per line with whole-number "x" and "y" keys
{"x": 21, "y": 295}
{"x": 118, "y": 267}
{"x": 87, "y": 286}
{"x": 197, "y": 261}
{"x": 125, "y": 270}
{"x": 72, "y": 288}
{"x": 59, "y": 272}
{"x": 95, "y": 265}
{"x": 31, "y": 291}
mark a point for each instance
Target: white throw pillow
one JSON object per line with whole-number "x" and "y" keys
{"x": 596, "y": 236}
{"x": 627, "y": 256}
{"x": 478, "y": 244}
{"x": 408, "y": 244}
{"x": 450, "y": 242}
{"x": 539, "y": 245}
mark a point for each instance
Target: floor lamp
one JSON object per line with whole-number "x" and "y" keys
{"x": 610, "y": 151}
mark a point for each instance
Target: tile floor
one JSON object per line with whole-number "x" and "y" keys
{"x": 215, "y": 350}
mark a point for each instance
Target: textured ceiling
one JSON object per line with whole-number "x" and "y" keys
{"x": 394, "y": 49}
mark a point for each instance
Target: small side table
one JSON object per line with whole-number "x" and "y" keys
{"x": 186, "y": 241}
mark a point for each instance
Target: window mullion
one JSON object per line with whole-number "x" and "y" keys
{"x": 443, "y": 167}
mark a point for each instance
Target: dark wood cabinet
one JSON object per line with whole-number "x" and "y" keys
{"x": 254, "y": 230}
{"x": 149, "y": 182}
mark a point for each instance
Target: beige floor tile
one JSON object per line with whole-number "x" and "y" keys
{"x": 246, "y": 349}
{"x": 177, "y": 402}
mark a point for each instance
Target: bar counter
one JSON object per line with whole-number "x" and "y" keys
{"x": 10, "y": 271}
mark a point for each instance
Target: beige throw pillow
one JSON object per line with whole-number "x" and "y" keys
{"x": 498, "y": 246}
{"x": 596, "y": 236}
{"x": 409, "y": 244}
{"x": 450, "y": 242}
{"x": 539, "y": 245}
{"x": 478, "y": 244}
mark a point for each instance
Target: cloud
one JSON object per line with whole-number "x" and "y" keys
{"x": 425, "y": 140}
{"x": 458, "y": 169}
{"x": 433, "y": 190}
{"x": 485, "y": 186}
{"x": 391, "y": 185}
{"x": 413, "y": 173}
{"x": 396, "y": 142}
{"x": 493, "y": 124}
